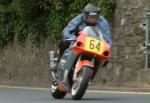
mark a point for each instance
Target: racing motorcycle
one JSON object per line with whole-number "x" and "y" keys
{"x": 79, "y": 63}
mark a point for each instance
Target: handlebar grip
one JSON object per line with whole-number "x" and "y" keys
{"x": 71, "y": 39}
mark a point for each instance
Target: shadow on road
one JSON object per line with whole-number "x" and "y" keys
{"x": 103, "y": 99}
{"x": 95, "y": 99}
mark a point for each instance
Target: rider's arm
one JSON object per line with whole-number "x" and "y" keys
{"x": 72, "y": 25}
{"x": 106, "y": 30}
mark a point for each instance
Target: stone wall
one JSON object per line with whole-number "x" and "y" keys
{"x": 127, "y": 59}
{"x": 25, "y": 65}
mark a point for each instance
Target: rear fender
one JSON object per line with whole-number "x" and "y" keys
{"x": 62, "y": 87}
{"x": 79, "y": 66}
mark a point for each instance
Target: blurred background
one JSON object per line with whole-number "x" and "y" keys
{"x": 29, "y": 29}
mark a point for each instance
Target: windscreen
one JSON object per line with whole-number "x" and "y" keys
{"x": 93, "y": 31}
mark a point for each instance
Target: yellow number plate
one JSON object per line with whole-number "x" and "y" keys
{"x": 94, "y": 45}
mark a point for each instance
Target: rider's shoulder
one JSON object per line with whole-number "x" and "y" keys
{"x": 103, "y": 19}
{"x": 79, "y": 16}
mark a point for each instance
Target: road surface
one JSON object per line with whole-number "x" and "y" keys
{"x": 25, "y": 95}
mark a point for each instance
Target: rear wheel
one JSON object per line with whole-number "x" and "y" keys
{"x": 79, "y": 87}
{"x": 56, "y": 93}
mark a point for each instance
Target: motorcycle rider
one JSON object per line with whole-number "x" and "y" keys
{"x": 89, "y": 17}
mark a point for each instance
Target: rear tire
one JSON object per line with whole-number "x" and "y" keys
{"x": 56, "y": 93}
{"x": 79, "y": 87}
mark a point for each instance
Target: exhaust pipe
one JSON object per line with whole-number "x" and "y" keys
{"x": 53, "y": 60}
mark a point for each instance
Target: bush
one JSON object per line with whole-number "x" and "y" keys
{"x": 39, "y": 19}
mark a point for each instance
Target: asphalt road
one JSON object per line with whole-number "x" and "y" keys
{"x": 11, "y": 95}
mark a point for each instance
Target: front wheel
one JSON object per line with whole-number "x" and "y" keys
{"x": 79, "y": 87}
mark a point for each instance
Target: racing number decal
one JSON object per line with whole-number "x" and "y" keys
{"x": 95, "y": 45}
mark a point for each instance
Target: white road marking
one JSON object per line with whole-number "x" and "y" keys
{"x": 27, "y": 88}
{"x": 92, "y": 91}
{"x": 118, "y": 92}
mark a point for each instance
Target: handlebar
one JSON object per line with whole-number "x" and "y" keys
{"x": 72, "y": 39}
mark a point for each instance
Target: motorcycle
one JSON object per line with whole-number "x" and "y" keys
{"x": 79, "y": 63}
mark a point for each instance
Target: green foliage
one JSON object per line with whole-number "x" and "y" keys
{"x": 5, "y": 2}
{"x": 7, "y": 24}
{"x": 39, "y": 19}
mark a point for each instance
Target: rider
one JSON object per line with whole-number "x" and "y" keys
{"x": 89, "y": 17}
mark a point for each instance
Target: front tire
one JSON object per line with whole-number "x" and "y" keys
{"x": 79, "y": 87}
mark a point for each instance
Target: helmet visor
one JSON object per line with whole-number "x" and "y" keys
{"x": 92, "y": 18}
{"x": 93, "y": 14}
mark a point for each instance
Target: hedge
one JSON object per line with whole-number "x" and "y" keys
{"x": 40, "y": 19}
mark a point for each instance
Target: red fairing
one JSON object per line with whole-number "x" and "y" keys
{"x": 79, "y": 47}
